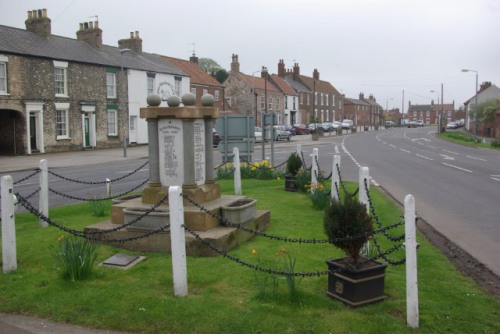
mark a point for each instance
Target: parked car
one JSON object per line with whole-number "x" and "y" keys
{"x": 420, "y": 123}
{"x": 291, "y": 129}
{"x": 451, "y": 125}
{"x": 257, "y": 134}
{"x": 336, "y": 125}
{"x": 327, "y": 127}
{"x": 301, "y": 129}
{"x": 389, "y": 124}
{"x": 411, "y": 124}
{"x": 347, "y": 124}
{"x": 216, "y": 138}
{"x": 280, "y": 133}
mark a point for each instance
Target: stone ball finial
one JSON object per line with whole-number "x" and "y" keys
{"x": 189, "y": 99}
{"x": 207, "y": 100}
{"x": 173, "y": 101}
{"x": 153, "y": 100}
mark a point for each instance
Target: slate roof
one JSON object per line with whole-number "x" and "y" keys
{"x": 356, "y": 101}
{"x": 320, "y": 86}
{"x": 197, "y": 74}
{"x": 22, "y": 42}
{"x": 296, "y": 85}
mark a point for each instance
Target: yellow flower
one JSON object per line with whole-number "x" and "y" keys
{"x": 254, "y": 252}
{"x": 60, "y": 238}
{"x": 278, "y": 178}
{"x": 265, "y": 163}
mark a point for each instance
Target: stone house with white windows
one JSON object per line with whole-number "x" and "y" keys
{"x": 60, "y": 94}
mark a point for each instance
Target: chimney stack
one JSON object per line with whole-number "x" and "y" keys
{"x": 296, "y": 71}
{"x": 362, "y": 96}
{"x": 484, "y": 86}
{"x": 263, "y": 73}
{"x": 316, "y": 74}
{"x": 133, "y": 43}
{"x": 281, "y": 68}
{"x": 39, "y": 23}
{"x": 193, "y": 59}
{"x": 235, "y": 65}
{"x": 90, "y": 33}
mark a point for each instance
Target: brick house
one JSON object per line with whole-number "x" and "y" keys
{"x": 327, "y": 103}
{"x": 252, "y": 95}
{"x": 357, "y": 110}
{"x": 201, "y": 82}
{"x": 61, "y": 94}
{"x": 428, "y": 113}
{"x": 487, "y": 91}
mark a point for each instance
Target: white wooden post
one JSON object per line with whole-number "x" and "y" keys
{"x": 299, "y": 151}
{"x": 314, "y": 169}
{"x": 9, "y": 255}
{"x": 237, "y": 171}
{"x": 43, "y": 199}
{"x": 335, "y": 178}
{"x": 412, "y": 317}
{"x": 178, "y": 241}
{"x": 364, "y": 173}
{"x": 108, "y": 187}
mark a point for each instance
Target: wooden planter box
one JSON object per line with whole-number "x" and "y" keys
{"x": 356, "y": 287}
{"x": 290, "y": 184}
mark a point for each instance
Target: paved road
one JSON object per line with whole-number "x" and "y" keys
{"x": 456, "y": 188}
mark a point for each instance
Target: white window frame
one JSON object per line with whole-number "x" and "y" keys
{"x": 61, "y": 65}
{"x": 262, "y": 103}
{"x": 178, "y": 86}
{"x": 64, "y": 109}
{"x": 216, "y": 95}
{"x": 205, "y": 91}
{"x": 193, "y": 91}
{"x": 112, "y": 128}
{"x": 270, "y": 107}
{"x": 278, "y": 104}
{"x": 151, "y": 85}
{"x": 3, "y": 79}
{"x": 110, "y": 85}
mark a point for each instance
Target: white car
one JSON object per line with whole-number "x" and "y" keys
{"x": 347, "y": 124}
{"x": 280, "y": 132}
{"x": 258, "y": 134}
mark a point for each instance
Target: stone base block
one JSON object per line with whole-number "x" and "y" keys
{"x": 223, "y": 238}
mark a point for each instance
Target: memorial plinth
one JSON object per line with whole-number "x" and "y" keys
{"x": 181, "y": 154}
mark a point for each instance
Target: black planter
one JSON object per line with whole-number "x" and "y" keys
{"x": 356, "y": 287}
{"x": 290, "y": 184}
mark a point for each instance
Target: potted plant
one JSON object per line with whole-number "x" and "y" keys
{"x": 353, "y": 279}
{"x": 293, "y": 165}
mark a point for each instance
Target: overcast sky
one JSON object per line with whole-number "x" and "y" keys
{"x": 379, "y": 47}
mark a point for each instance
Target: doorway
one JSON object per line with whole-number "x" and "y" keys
{"x": 33, "y": 142}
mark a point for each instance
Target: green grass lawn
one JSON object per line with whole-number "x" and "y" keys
{"x": 223, "y": 296}
{"x": 464, "y": 138}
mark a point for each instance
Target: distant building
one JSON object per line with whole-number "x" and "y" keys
{"x": 364, "y": 112}
{"x": 487, "y": 91}
{"x": 428, "y": 113}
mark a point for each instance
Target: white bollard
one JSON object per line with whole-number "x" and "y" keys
{"x": 108, "y": 187}
{"x": 364, "y": 174}
{"x": 9, "y": 253}
{"x": 335, "y": 178}
{"x": 412, "y": 317}
{"x": 314, "y": 169}
{"x": 237, "y": 171}
{"x": 43, "y": 202}
{"x": 178, "y": 241}
{"x": 299, "y": 151}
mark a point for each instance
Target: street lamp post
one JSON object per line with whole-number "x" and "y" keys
{"x": 475, "y": 104}
{"x": 122, "y": 51}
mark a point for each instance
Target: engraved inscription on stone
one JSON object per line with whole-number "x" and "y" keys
{"x": 120, "y": 260}
{"x": 171, "y": 158}
{"x": 199, "y": 151}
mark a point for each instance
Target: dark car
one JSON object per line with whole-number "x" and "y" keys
{"x": 216, "y": 138}
{"x": 291, "y": 129}
{"x": 301, "y": 129}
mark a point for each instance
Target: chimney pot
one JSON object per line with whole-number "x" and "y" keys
{"x": 30, "y": 14}
{"x": 91, "y": 25}
{"x": 136, "y": 34}
{"x": 44, "y": 12}
{"x": 131, "y": 34}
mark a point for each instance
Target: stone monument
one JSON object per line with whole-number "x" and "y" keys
{"x": 181, "y": 154}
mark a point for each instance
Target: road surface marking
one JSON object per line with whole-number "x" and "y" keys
{"x": 460, "y": 168}
{"x": 402, "y": 149}
{"x": 415, "y": 139}
{"x": 429, "y": 146}
{"x": 422, "y": 156}
{"x": 445, "y": 157}
{"x": 393, "y": 146}
{"x": 468, "y": 156}
{"x": 494, "y": 178}
{"x": 337, "y": 149}
{"x": 450, "y": 152}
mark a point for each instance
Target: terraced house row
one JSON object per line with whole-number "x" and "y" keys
{"x": 60, "y": 94}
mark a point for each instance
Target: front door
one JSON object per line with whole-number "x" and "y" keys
{"x": 33, "y": 145}
{"x": 86, "y": 127}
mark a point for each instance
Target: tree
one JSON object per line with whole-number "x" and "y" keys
{"x": 486, "y": 111}
{"x": 209, "y": 65}
{"x": 221, "y": 75}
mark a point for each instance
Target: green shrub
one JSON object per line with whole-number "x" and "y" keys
{"x": 496, "y": 143}
{"x": 76, "y": 257}
{"x": 293, "y": 164}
